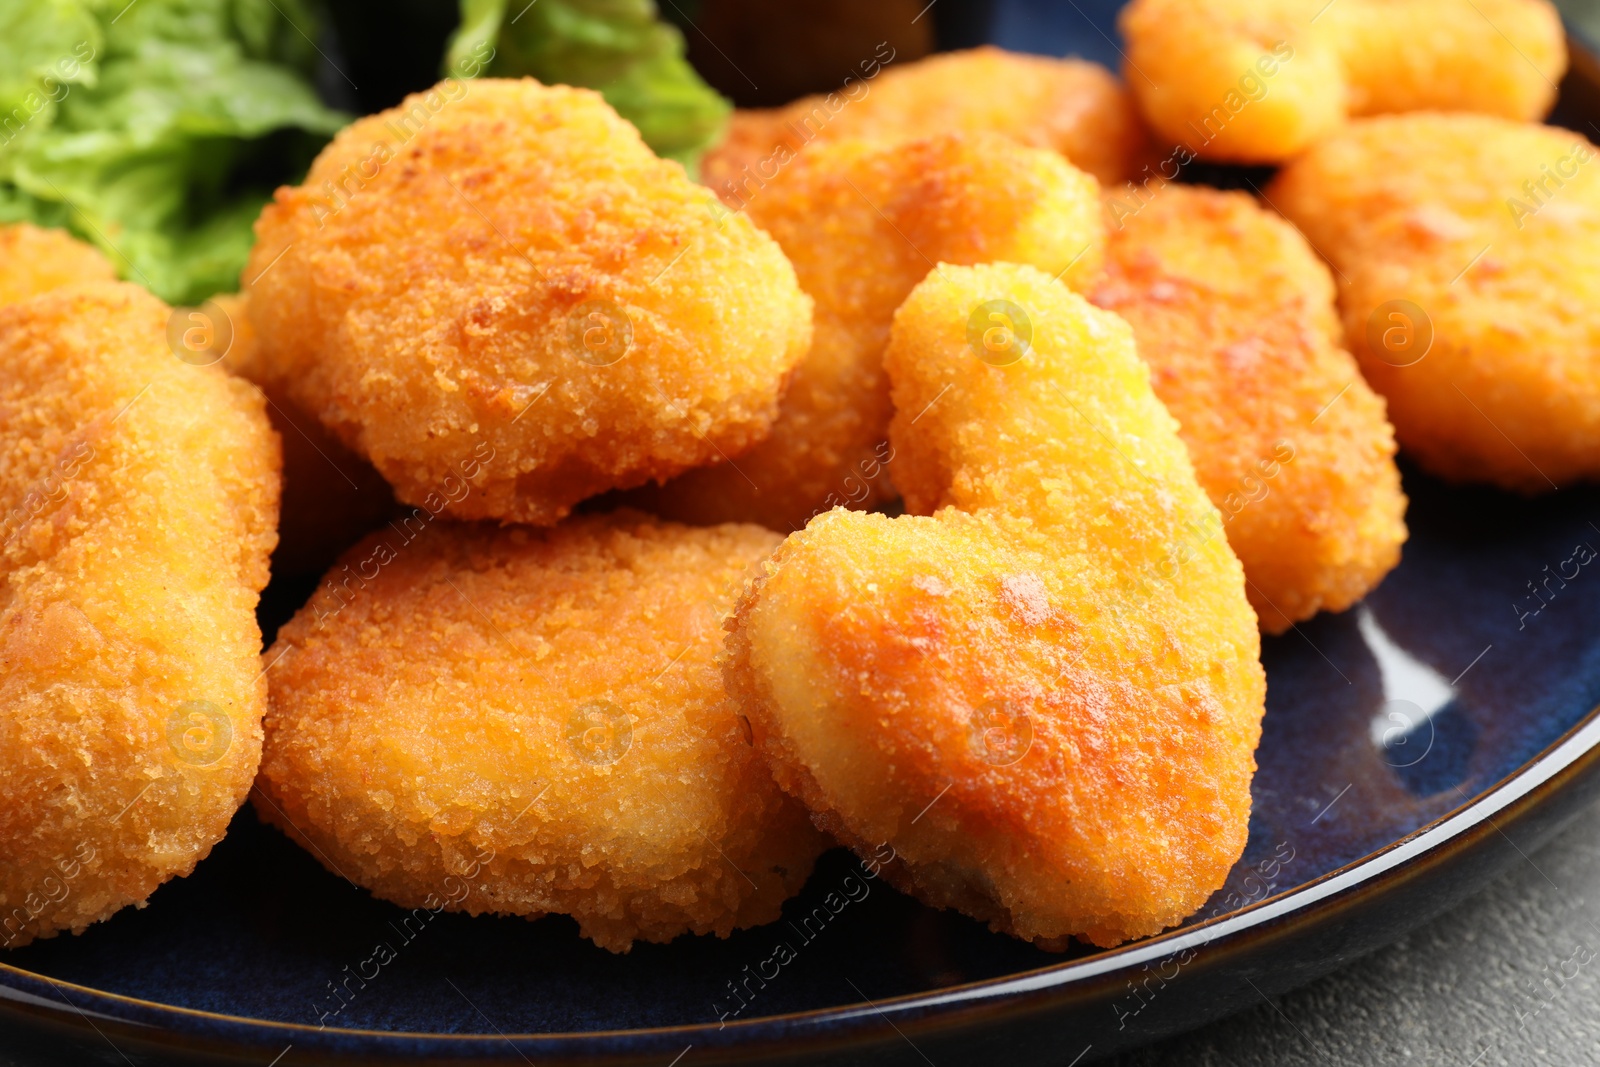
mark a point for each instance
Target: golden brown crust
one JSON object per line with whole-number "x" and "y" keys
{"x": 863, "y": 223}
{"x": 35, "y": 261}
{"x": 140, "y": 499}
{"x": 1469, "y": 280}
{"x": 1045, "y": 695}
{"x": 1234, "y": 314}
{"x": 446, "y": 265}
{"x": 1070, "y": 106}
{"x": 561, "y": 691}
{"x": 331, "y": 496}
{"x": 1258, "y": 81}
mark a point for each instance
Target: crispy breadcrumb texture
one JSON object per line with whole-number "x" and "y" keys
{"x": 498, "y": 263}
{"x": 35, "y": 261}
{"x": 1070, "y": 106}
{"x": 863, "y": 223}
{"x": 1468, "y": 250}
{"x": 241, "y": 353}
{"x": 1258, "y": 81}
{"x": 139, "y": 500}
{"x": 1046, "y": 694}
{"x": 331, "y": 496}
{"x": 521, "y": 721}
{"x": 1234, "y": 313}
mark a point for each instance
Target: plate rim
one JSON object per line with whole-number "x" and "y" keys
{"x": 1304, "y": 901}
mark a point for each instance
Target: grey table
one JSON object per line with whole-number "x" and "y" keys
{"x": 1510, "y": 977}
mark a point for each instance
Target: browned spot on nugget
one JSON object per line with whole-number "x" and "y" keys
{"x": 331, "y": 496}
{"x": 35, "y": 261}
{"x": 1045, "y": 695}
{"x": 1468, "y": 250}
{"x": 138, "y": 505}
{"x": 1234, "y": 314}
{"x": 1258, "y": 81}
{"x": 497, "y": 268}
{"x": 525, "y": 722}
{"x": 863, "y": 223}
{"x": 1070, "y": 106}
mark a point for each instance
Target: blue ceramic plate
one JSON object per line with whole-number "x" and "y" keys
{"x": 1413, "y": 747}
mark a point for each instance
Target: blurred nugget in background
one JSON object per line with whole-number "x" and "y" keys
{"x": 1070, "y": 106}
{"x": 1258, "y": 81}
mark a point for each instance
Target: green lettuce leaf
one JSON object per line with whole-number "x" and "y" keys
{"x": 180, "y": 119}
{"x": 619, "y": 47}
{"x": 43, "y": 51}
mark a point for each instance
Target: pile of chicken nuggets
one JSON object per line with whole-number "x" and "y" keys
{"x": 926, "y": 477}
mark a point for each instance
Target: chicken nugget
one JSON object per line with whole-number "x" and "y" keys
{"x": 35, "y": 261}
{"x": 331, "y": 496}
{"x": 529, "y": 722}
{"x": 1258, "y": 81}
{"x": 139, "y": 497}
{"x": 1046, "y": 694}
{"x": 863, "y": 223}
{"x": 1235, "y": 315}
{"x": 1070, "y": 106}
{"x": 1468, "y": 253}
{"x": 451, "y": 261}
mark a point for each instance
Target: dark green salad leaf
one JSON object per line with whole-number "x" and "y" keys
{"x": 619, "y": 47}
{"x": 156, "y": 129}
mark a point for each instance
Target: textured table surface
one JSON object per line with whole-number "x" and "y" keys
{"x": 1583, "y": 14}
{"x": 1510, "y": 977}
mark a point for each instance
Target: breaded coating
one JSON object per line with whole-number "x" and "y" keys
{"x": 1259, "y": 81}
{"x": 529, "y": 722}
{"x": 863, "y": 223}
{"x": 232, "y": 331}
{"x": 331, "y": 496}
{"x": 35, "y": 261}
{"x": 1234, "y": 313}
{"x": 1468, "y": 250}
{"x": 1070, "y": 106}
{"x": 139, "y": 497}
{"x": 450, "y": 262}
{"x": 1046, "y": 694}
